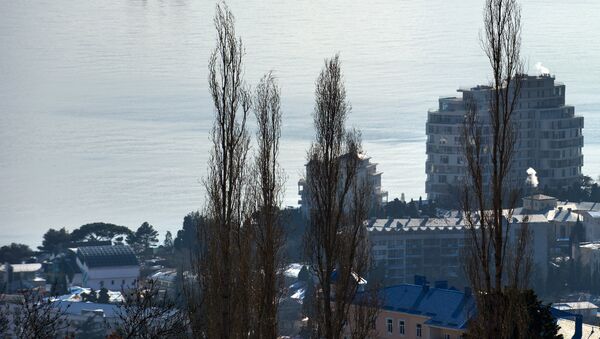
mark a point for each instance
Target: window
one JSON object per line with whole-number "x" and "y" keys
{"x": 419, "y": 329}
{"x": 390, "y": 326}
{"x": 401, "y": 326}
{"x": 112, "y": 282}
{"x": 123, "y": 282}
{"x": 446, "y": 336}
{"x": 101, "y": 283}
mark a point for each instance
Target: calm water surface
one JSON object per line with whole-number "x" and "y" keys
{"x": 104, "y": 106}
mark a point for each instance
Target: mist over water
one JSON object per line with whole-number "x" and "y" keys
{"x": 105, "y": 111}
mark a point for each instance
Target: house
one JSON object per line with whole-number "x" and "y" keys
{"x": 419, "y": 311}
{"x": 112, "y": 267}
{"x": 14, "y": 277}
{"x": 166, "y": 280}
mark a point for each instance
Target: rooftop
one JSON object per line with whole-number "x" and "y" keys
{"x": 580, "y": 206}
{"x": 416, "y": 224}
{"x": 23, "y": 268}
{"x": 594, "y": 214}
{"x": 574, "y": 305}
{"x": 75, "y": 292}
{"x": 540, "y": 197}
{"x": 105, "y": 256}
{"x": 562, "y": 215}
{"x": 567, "y": 329}
{"x": 590, "y": 245}
{"x": 444, "y": 307}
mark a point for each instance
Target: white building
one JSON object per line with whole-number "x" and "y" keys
{"x": 14, "y": 277}
{"x": 112, "y": 267}
{"x": 79, "y": 312}
{"x": 549, "y": 136}
{"x": 432, "y": 246}
{"x": 406, "y": 247}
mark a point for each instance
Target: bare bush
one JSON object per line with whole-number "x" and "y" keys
{"x": 147, "y": 312}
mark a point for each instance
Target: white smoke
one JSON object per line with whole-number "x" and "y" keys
{"x": 532, "y": 178}
{"x": 541, "y": 69}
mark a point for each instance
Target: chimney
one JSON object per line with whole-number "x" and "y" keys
{"x": 420, "y": 280}
{"x": 578, "y": 326}
{"x": 443, "y": 284}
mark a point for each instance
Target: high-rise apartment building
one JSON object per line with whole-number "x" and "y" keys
{"x": 549, "y": 136}
{"x": 367, "y": 174}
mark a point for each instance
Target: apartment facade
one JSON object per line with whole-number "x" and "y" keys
{"x": 429, "y": 247}
{"x": 549, "y": 137}
{"x": 433, "y": 247}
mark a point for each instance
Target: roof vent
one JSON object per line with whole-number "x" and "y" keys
{"x": 420, "y": 280}
{"x": 442, "y": 284}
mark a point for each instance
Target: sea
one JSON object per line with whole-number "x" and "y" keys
{"x": 105, "y": 111}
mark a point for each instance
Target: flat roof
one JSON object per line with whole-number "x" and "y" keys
{"x": 23, "y": 268}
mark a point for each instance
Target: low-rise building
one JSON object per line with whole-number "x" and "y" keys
{"x": 80, "y": 313}
{"x": 432, "y": 246}
{"x": 15, "y": 277}
{"x": 112, "y": 267}
{"x": 589, "y": 257}
{"x": 422, "y": 246}
{"x": 420, "y": 311}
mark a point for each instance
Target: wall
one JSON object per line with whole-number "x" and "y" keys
{"x": 410, "y": 327}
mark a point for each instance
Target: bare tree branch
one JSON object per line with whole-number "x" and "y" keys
{"x": 147, "y": 312}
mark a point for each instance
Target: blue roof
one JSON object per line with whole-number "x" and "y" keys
{"x": 445, "y": 307}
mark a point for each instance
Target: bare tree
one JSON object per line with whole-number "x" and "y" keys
{"x": 147, "y": 312}
{"x": 336, "y": 242}
{"x": 364, "y": 312}
{"x": 34, "y": 316}
{"x": 224, "y": 265}
{"x": 4, "y": 317}
{"x": 495, "y": 263}
{"x": 267, "y": 189}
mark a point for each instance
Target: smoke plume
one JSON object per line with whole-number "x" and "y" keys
{"x": 532, "y": 178}
{"x": 541, "y": 69}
